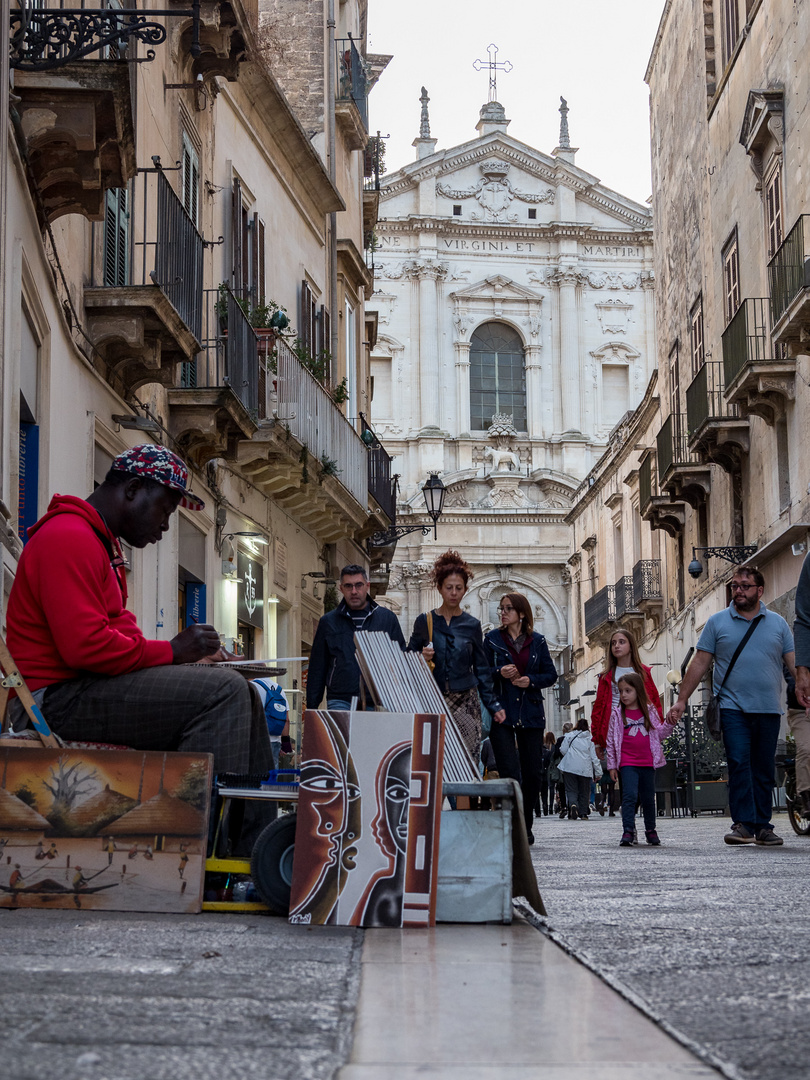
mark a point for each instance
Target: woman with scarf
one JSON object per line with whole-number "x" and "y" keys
{"x": 523, "y": 667}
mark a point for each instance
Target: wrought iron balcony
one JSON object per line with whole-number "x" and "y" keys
{"x": 380, "y": 483}
{"x": 351, "y": 94}
{"x": 757, "y": 380}
{"x": 145, "y": 304}
{"x": 716, "y": 429}
{"x": 216, "y": 404}
{"x": 600, "y": 610}
{"x": 49, "y": 36}
{"x": 680, "y": 470}
{"x": 648, "y": 596}
{"x": 624, "y": 599}
{"x": 789, "y": 282}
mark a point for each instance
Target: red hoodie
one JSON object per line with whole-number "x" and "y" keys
{"x": 67, "y": 609}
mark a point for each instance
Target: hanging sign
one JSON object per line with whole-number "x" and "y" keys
{"x": 195, "y": 602}
{"x": 250, "y": 595}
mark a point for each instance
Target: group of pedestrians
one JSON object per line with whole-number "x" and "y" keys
{"x": 502, "y": 676}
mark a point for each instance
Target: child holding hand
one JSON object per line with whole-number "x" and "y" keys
{"x": 635, "y": 734}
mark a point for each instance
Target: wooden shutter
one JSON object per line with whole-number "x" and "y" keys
{"x": 261, "y": 265}
{"x": 306, "y": 320}
{"x": 116, "y": 237}
{"x": 191, "y": 181}
{"x": 236, "y": 236}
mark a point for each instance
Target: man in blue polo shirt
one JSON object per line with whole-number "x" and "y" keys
{"x": 750, "y": 701}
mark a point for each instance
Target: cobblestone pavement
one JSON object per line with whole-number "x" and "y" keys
{"x": 713, "y": 938}
{"x": 168, "y": 997}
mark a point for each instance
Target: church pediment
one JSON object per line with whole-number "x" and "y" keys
{"x": 497, "y": 285}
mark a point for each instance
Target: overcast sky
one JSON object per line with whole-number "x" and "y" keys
{"x": 592, "y": 52}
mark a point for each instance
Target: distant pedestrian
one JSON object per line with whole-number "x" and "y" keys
{"x": 452, "y": 641}
{"x": 750, "y": 700}
{"x": 548, "y": 785}
{"x": 799, "y": 721}
{"x": 523, "y": 667}
{"x": 580, "y": 766}
{"x": 557, "y": 777}
{"x": 333, "y": 666}
{"x": 622, "y": 659}
{"x": 634, "y": 748}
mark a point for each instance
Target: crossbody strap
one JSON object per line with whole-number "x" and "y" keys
{"x": 739, "y": 649}
{"x": 429, "y": 617}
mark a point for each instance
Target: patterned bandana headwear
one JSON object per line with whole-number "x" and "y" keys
{"x": 158, "y": 463}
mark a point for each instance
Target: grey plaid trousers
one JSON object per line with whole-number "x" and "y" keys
{"x": 196, "y": 708}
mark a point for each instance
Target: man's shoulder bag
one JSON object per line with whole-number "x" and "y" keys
{"x": 713, "y": 706}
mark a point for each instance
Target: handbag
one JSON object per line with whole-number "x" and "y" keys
{"x": 713, "y": 721}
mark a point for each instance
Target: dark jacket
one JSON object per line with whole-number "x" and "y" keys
{"x": 460, "y": 662}
{"x": 524, "y": 707}
{"x": 332, "y": 663}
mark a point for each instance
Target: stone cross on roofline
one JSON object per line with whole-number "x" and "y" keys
{"x": 494, "y": 66}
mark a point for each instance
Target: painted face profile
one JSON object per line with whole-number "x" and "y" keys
{"x": 329, "y": 815}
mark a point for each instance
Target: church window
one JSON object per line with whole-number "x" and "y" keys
{"x": 497, "y": 376}
{"x": 532, "y": 213}
{"x": 457, "y": 209}
{"x": 615, "y": 393}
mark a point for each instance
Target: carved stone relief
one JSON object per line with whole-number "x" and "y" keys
{"x": 613, "y": 316}
{"x": 494, "y": 193}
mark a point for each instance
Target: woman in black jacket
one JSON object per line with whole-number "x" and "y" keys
{"x": 456, "y": 648}
{"x": 523, "y": 667}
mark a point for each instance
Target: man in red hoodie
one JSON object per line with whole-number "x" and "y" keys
{"x": 81, "y": 651}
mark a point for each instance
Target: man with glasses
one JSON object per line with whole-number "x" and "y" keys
{"x": 333, "y": 666}
{"x": 750, "y": 701}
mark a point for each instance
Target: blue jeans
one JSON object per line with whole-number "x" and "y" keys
{"x": 750, "y": 742}
{"x": 638, "y": 783}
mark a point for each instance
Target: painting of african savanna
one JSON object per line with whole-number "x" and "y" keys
{"x": 103, "y": 830}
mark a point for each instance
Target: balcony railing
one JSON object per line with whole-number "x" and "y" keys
{"x": 673, "y": 446}
{"x": 380, "y": 483}
{"x": 623, "y": 594}
{"x": 230, "y": 354}
{"x": 747, "y": 338}
{"x": 352, "y": 78}
{"x": 155, "y": 242}
{"x": 647, "y": 580}
{"x": 373, "y": 163}
{"x": 600, "y": 609}
{"x": 645, "y": 481}
{"x": 314, "y": 420}
{"x": 788, "y": 272}
{"x": 705, "y": 400}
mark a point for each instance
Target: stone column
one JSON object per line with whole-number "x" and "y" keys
{"x": 569, "y": 350}
{"x": 428, "y": 273}
{"x": 462, "y": 388}
{"x": 534, "y": 392}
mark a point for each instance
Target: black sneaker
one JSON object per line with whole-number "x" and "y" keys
{"x": 626, "y": 840}
{"x": 573, "y": 813}
{"x": 652, "y": 838}
{"x": 768, "y": 838}
{"x": 740, "y": 835}
{"x": 530, "y": 836}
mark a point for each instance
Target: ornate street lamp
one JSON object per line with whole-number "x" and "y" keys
{"x": 434, "y": 492}
{"x": 736, "y": 554}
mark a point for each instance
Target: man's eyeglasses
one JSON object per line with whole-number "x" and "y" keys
{"x": 735, "y": 587}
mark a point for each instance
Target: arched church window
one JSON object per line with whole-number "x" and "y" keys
{"x": 497, "y": 376}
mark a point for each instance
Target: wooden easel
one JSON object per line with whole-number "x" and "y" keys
{"x": 13, "y": 680}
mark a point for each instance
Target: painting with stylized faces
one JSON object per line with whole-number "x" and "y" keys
{"x": 367, "y": 836}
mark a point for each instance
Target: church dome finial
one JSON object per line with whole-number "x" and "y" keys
{"x": 565, "y": 138}
{"x": 424, "y": 124}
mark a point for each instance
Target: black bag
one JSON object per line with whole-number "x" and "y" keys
{"x": 713, "y": 722}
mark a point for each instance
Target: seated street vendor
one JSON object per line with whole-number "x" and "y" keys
{"x": 96, "y": 676}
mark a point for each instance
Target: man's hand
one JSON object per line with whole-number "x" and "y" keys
{"x": 803, "y": 686}
{"x": 676, "y": 712}
{"x": 194, "y": 643}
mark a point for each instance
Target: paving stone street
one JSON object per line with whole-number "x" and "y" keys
{"x": 713, "y": 938}
{"x": 709, "y": 940}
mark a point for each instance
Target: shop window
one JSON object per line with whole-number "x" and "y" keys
{"x": 28, "y": 492}
{"x": 497, "y": 376}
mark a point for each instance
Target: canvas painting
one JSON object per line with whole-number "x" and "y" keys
{"x": 103, "y": 830}
{"x": 367, "y": 835}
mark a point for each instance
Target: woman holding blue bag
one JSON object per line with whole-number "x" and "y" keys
{"x": 523, "y": 667}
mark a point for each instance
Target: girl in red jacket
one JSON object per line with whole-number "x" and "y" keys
{"x": 622, "y": 659}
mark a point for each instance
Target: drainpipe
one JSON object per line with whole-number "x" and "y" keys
{"x": 330, "y": 113}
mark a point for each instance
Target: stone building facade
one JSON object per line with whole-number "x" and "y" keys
{"x": 509, "y": 283}
{"x": 718, "y": 455}
{"x": 156, "y": 215}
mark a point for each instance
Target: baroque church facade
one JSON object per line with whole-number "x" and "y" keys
{"x": 515, "y": 329}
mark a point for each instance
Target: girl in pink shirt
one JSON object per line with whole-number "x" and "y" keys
{"x": 635, "y": 733}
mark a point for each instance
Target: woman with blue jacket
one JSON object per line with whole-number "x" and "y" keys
{"x": 523, "y": 667}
